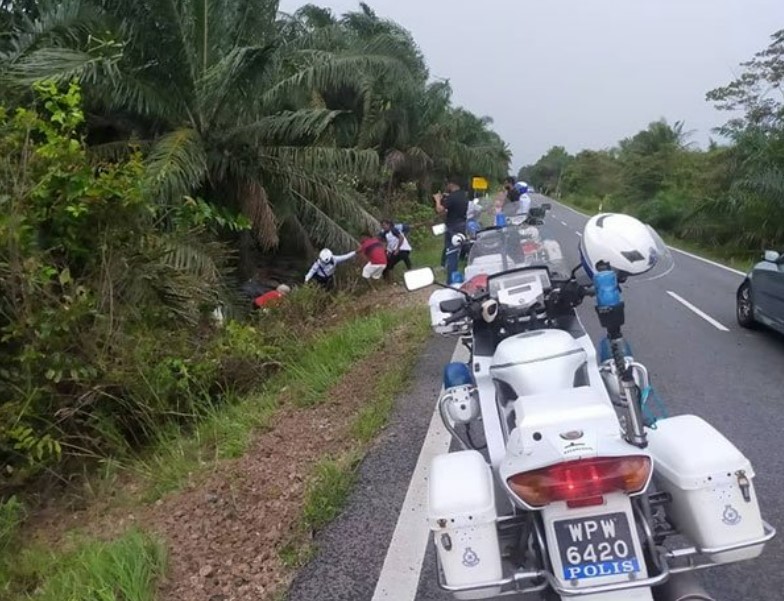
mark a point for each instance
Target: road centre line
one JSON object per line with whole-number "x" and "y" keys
{"x": 702, "y": 314}
{"x": 562, "y": 222}
{"x": 399, "y": 578}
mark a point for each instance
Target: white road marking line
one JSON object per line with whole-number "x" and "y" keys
{"x": 708, "y": 261}
{"x": 399, "y": 577}
{"x": 678, "y": 250}
{"x": 579, "y": 234}
{"x": 702, "y": 314}
{"x": 562, "y": 222}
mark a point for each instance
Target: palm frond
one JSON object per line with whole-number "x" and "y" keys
{"x": 177, "y": 165}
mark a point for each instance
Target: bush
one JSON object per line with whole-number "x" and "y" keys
{"x": 665, "y": 212}
{"x": 102, "y": 298}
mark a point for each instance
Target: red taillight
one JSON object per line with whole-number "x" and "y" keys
{"x": 582, "y": 482}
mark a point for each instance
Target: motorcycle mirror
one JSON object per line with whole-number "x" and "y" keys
{"x": 439, "y": 229}
{"x": 546, "y": 206}
{"x": 416, "y": 279}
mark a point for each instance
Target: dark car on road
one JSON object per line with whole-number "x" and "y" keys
{"x": 760, "y": 298}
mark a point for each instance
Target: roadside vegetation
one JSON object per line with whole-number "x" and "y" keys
{"x": 727, "y": 199}
{"x": 152, "y": 157}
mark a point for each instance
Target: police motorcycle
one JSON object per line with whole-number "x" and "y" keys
{"x": 563, "y": 484}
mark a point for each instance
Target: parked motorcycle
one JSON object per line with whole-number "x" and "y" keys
{"x": 564, "y": 482}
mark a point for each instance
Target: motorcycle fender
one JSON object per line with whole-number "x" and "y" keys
{"x": 590, "y": 532}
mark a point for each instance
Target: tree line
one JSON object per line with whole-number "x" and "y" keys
{"x": 149, "y": 152}
{"x": 729, "y": 196}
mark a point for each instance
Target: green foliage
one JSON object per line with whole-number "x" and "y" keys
{"x": 101, "y": 294}
{"x": 547, "y": 172}
{"x": 125, "y": 569}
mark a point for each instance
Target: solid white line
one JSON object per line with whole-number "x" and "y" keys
{"x": 702, "y": 314}
{"x": 708, "y": 261}
{"x": 399, "y": 577}
{"x": 683, "y": 252}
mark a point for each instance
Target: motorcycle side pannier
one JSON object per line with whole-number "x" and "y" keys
{"x": 462, "y": 517}
{"x": 712, "y": 486}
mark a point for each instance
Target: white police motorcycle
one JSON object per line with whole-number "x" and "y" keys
{"x": 564, "y": 483}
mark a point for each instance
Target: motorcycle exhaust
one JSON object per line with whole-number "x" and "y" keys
{"x": 682, "y": 587}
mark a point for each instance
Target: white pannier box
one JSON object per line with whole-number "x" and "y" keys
{"x": 712, "y": 486}
{"x": 462, "y": 516}
{"x": 437, "y": 316}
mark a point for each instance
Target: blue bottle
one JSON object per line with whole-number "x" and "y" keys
{"x": 608, "y": 294}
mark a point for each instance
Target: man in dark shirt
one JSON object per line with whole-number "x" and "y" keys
{"x": 455, "y": 205}
{"x": 512, "y": 193}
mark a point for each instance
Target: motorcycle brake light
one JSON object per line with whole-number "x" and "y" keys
{"x": 582, "y": 482}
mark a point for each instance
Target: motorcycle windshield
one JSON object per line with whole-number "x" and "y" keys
{"x": 516, "y": 245}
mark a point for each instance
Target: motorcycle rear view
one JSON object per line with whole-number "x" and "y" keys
{"x": 566, "y": 483}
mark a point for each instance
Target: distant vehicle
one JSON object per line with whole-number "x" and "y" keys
{"x": 760, "y": 298}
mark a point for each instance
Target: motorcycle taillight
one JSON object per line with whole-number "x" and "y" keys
{"x": 582, "y": 482}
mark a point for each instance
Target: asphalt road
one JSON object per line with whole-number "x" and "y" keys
{"x": 700, "y": 362}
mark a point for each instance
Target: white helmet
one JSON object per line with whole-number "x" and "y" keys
{"x": 458, "y": 239}
{"x": 627, "y": 245}
{"x": 325, "y": 256}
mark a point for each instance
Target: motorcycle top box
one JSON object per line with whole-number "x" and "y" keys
{"x": 712, "y": 487}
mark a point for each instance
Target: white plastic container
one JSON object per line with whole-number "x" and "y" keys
{"x": 712, "y": 486}
{"x": 462, "y": 517}
{"x": 437, "y": 316}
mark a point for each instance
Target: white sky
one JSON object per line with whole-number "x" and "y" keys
{"x": 582, "y": 73}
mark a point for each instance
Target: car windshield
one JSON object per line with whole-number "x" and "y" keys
{"x": 497, "y": 250}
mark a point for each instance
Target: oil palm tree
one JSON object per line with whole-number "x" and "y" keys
{"x": 227, "y": 98}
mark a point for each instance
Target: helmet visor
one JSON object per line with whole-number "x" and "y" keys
{"x": 660, "y": 260}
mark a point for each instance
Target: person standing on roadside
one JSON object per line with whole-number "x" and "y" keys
{"x": 398, "y": 246}
{"x": 455, "y": 207}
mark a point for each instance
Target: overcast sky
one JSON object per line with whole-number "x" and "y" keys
{"x": 582, "y": 73}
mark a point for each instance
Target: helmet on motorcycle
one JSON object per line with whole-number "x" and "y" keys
{"x": 522, "y": 187}
{"x": 325, "y": 256}
{"x": 621, "y": 242}
{"x": 458, "y": 239}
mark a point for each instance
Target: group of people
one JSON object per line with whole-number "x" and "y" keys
{"x": 382, "y": 251}
{"x": 462, "y": 215}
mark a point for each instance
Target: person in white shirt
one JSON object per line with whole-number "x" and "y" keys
{"x": 323, "y": 270}
{"x": 398, "y": 247}
{"x": 525, "y": 204}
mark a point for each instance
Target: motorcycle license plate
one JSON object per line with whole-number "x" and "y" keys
{"x": 596, "y": 546}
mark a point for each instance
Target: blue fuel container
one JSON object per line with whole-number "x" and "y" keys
{"x": 457, "y": 374}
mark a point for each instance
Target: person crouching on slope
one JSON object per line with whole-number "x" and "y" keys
{"x": 323, "y": 270}
{"x": 374, "y": 250}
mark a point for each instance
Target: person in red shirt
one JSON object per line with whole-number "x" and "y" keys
{"x": 271, "y": 298}
{"x": 374, "y": 250}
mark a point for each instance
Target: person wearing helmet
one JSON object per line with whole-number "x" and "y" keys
{"x": 323, "y": 270}
{"x": 271, "y": 298}
{"x": 525, "y": 200}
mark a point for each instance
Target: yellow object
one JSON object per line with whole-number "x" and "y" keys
{"x": 479, "y": 183}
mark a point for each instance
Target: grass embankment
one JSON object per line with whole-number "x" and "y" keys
{"x": 730, "y": 257}
{"x": 111, "y": 563}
